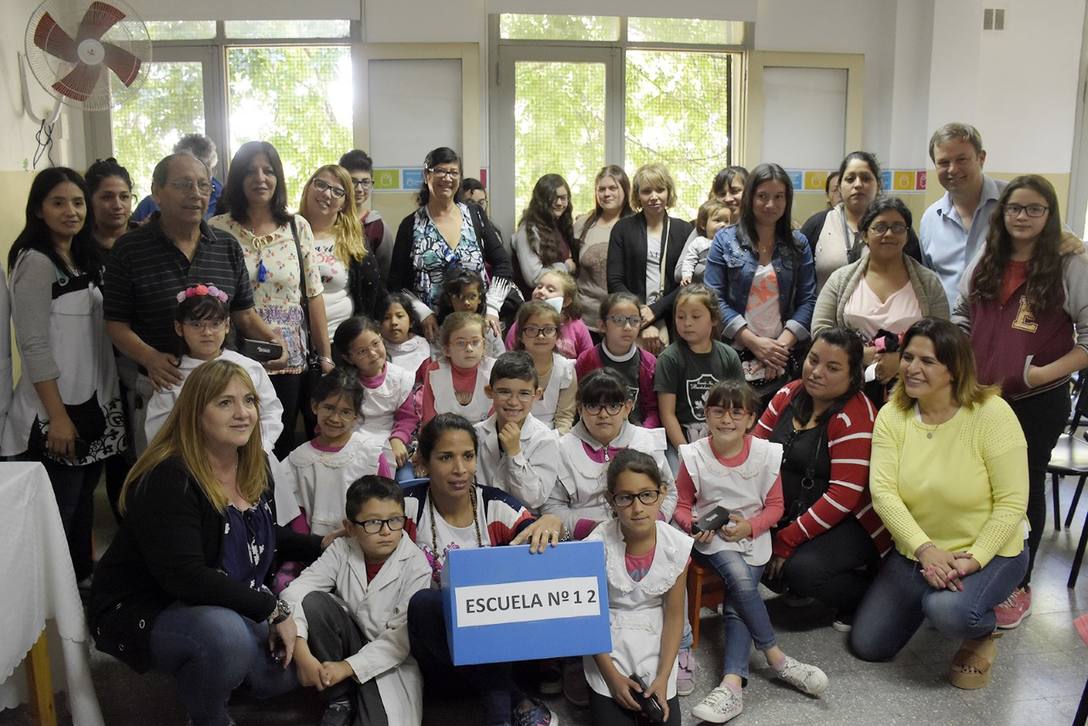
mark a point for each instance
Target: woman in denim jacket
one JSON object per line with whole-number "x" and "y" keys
{"x": 756, "y": 262}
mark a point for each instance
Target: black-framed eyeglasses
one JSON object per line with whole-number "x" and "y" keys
{"x": 595, "y": 408}
{"x": 323, "y": 186}
{"x": 646, "y": 497}
{"x": 624, "y": 320}
{"x": 540, "y": 331}
{"x": 446, "y": 173}
{"x": 373, "y": 526}
{"x": 880, "y": 228}
{"x": 1032, "y": 210}
{"x": 362, "y": 183}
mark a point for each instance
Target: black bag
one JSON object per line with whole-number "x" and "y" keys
{"x": 90, "y": 423}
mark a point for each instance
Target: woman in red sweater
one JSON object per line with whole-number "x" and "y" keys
{"x": 829, "y": 541}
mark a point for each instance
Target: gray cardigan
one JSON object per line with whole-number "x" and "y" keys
{"x": 831, "y": 303}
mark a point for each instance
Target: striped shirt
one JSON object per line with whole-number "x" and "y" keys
{"x": 145, "y": 272}
{"x": 849, "y": 443}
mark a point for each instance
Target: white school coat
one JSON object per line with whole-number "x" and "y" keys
{"x": 562, "y": 376}
{"x": 320, "y": 479}
{"x": 636, "y": 610}
{"x": 583, "y": 482}
{"x": 531, "y": 475}
{"x": 445, "y": 398}
{"x": 410, "y": 354}
{"x": 162, "y": 402}
{"x": 380, "y": 607}
{"x": 380, "y": 406}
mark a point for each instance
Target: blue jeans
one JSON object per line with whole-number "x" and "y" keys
{"x": 744, "y": 616}
{"x": 900, "y": 599}
{"x": 210, "y": 651}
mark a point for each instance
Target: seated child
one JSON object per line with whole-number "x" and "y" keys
{"x": 463, "y": 292}
{"x": 518, "y": 453}
{"x": 618, "y": 350}
{"x": 404, "y": 344}
{"x": 351, "y": 610}
{"x": 537, "y": 324}
{"x": 202, "y": 322}
{"x": 456, "y": 384}
{"x": 558, "y": 289}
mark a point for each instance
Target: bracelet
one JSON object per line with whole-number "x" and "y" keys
{"x": 927, "y": 546}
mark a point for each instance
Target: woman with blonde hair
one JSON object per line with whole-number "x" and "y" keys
{"x": 349, "y": 272}
{"x": 183, "y": 589}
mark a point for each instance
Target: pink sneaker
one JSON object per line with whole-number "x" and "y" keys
{"x": 1013, "y": 611}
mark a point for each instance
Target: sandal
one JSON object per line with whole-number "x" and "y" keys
{"x": 972, "y": 664}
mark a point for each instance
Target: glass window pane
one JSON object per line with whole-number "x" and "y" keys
{"x": 559, "y": 128}
{"x": 297, "y": 98}
{"x": 287, "y": 28}
{"x": 558, "y": 27}
{"x": 678, "y": 114}
{"x": 181, "y": 29}
{"x": 685, "y": 30}
{"x": 171, "y": 105}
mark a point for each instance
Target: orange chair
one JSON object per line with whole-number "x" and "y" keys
{"x": 705, "y": 590}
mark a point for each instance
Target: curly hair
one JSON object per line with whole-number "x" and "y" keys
{"x": 547, "y": 233}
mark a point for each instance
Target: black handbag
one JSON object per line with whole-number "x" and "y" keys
{"x": 90, "y": 423}
{"x": 313, "y": 358}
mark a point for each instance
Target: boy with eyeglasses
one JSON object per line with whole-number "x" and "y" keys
{"x": 351, "y": 609}
{"x": 518, "y": 453}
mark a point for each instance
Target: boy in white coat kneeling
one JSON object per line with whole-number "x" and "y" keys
{"x": 351, "y": 609}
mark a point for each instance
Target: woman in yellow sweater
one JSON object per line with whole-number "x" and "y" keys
{"x": 949, "y": 479}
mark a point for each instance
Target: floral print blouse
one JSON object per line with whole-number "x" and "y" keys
{"x": 431, "y": 256}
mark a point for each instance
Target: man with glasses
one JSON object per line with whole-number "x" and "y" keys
{"x": 202, "y": 148}
{"x": 147, "y": 268}
{"x": 953, "y": 230}
{"x": 377, "y": 234}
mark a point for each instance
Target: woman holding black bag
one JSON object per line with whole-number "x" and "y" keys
{"x": 287, "y": 288}
{"x": 829, "y": 540}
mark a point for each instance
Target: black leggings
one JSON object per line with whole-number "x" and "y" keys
{"x": 836, "y": 567}
{"x": 606, "y": 712}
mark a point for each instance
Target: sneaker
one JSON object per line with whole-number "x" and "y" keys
{"x": 720, "y": 705}
{"x": 551, "y": 678}
{"x": 805, "y": 678}
{"x": 685, "y": 672}
{"x": 337, "y": 713}
{"x": 534, "y": 712}
{"x": 843, "y": 622}
{"x": 1015, "y": 608}
{"x": 575, "y": 687}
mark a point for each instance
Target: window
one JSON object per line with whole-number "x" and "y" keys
{"x": 181, "y": 29}
{"x": 685, "y": 30}
{"x": 257, "y": 29}
{"x": 558, "y": 27}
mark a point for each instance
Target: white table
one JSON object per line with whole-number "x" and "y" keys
{"x": 37, "y": 583}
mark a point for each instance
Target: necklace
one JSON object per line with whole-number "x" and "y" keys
{"x": 434, "y": 528}
{"x": 259, "y": 242}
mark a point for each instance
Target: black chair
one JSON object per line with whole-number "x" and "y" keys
{"x": 1070, "y": 457}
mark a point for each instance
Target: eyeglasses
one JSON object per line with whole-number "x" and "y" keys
{"x": 205, "y": 325}
{"x": 595, "y": 408}
{"x": 373, "y": 526}
{"x": 647, "y": 497}
{"x": 540, "y": 331}
{"x": 624, "y": 320}
{"x": 467, "y": 344}
{"x": 880, "y": 228}
{"x": 733, "y": 413}
{"x": 468, "y": 297}
{"x": 362, "y": 183}
{"x": 505, "y": 394}
{"x": 445, "y": 173}
{"x": 202, "y": 188}
{"x": 1032, "y": 210}
{"x": 323, "y": 186}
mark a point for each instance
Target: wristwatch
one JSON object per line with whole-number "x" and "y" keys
{"x": 281, "y": 612}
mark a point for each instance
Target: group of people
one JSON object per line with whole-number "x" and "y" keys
{"x": 785, "y": 404}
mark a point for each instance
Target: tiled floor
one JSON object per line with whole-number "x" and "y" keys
{"x": 1037, "y": 680}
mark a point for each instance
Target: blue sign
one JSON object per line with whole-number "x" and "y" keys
{"x": 503, "y": 603}
{"x": 797, "y": 178}
{"x": 411, "y": 179}
{"x": 886, "y": 180}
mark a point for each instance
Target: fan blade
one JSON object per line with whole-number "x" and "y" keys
{"x": 51, "y": 38}
{"x": 80, "y": 82}
{"x": 121, "y": 62}
{"x": 99, "y": 18}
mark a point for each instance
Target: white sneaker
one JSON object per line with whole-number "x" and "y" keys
{"x": 805, "y": 678}
{"x": 720, "y": 705}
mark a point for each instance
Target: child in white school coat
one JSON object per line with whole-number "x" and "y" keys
{"x": 456, "y": 384}
{"x": 202, "y": 322}
{"x": 518, "y": 453}
{"x": 351, "y": 609}
{"x": 405, "y": 346}
{"x": 646, "y": 566}
{"x": 538, "y": 325}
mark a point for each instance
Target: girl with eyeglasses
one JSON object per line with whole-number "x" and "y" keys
{"x": 452, "y": 511}
{"x": 538, "y": 329}
{"x": 349, "y": 270}
{"x": 558, "y": 289}
{"x": 732, "y": 470}
{"x": 357, "y": 656}
{"x": 646, "y": 564}
{"x": 619, "y": 351}
{"x": 464, "y": 292}
{"x": 456, "y": 383}
{"x": 202, "y": 323}
{"x": 1025, "y": 304}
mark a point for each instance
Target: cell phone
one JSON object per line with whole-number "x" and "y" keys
{"x": 713, "y": 520}
{"x": 651, "y": 708}
{"x": 261, "y": 351}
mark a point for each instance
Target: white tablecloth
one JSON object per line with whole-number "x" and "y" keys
{"x": 37, "y": 583}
